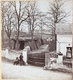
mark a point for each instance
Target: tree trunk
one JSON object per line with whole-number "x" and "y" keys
{"x": 9, "y": 43}
{"x": 17, "y": 46}
{"x": 32, "y": 34}
{"x": 41, "y": 32}
{"x": 32, "y": 40}
{"x": 17, "y": 41}
{"x": 55, "y": 35}
{"x": 2, "y": 37}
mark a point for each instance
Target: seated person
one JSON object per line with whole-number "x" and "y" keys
{"x": 16, "y": 62}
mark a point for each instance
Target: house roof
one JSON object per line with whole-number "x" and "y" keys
{"x": 64, "y": 29}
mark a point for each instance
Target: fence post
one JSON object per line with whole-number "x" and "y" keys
{"x": 47, "y": 60}
{"x": 25, "y": 55}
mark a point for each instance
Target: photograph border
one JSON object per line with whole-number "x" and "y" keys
{"x": 1, "y": 45}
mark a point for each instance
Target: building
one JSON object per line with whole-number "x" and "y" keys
{"x": 64, "y": 39}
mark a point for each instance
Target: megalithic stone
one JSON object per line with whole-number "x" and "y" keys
{"x": 25, "y": 51}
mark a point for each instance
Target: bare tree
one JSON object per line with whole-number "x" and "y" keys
{"x": 21, "y": 15}
{"x": 34, "y": 19}
{"x": 42, "y": 24}
{"x": 2, "y": 12}
{"x": 7, "y": 20}
{"x": 22, "y": 11}
{"x": 56, "y": 14}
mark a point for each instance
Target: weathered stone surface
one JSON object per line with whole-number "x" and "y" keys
{"x": 17, "y": 46}
{"x": 25, "y": 51}
{"x": 60, "y": 59}
{"x": 6, "y": 55}
{"x": 47, "y": 60}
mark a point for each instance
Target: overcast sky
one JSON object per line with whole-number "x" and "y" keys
{"x": 43, "y": 5}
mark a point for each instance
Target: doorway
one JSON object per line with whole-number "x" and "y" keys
{"x": 21, "y": 45}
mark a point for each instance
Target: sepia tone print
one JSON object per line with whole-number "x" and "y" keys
{"x": 37, "y": 39}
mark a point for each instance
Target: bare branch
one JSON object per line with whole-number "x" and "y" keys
{"x": 56, "y": 13}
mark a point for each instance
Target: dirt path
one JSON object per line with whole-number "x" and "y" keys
{"x": 10, "y": 71}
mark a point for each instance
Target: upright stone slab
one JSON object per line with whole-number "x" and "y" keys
{"x": 25, "y": 55}
{"x": 60, "y": 58}
{"x": 17, "y": 46}
{"x": 28, "y": 48}
{"x": 6, "y": 53}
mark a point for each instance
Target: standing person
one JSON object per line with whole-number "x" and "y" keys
{"x": 21, "y": 57}
{"x": 21, "y": 60}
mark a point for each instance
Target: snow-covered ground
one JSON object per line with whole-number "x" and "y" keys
{"x": 10, "y": 71}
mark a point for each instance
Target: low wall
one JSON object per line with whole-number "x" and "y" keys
{"x": 11, "y": 54}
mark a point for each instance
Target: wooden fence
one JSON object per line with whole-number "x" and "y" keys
{"x": 37, "y": 59}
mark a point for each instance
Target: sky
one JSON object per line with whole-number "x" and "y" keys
{"x": 44, "y": 7}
